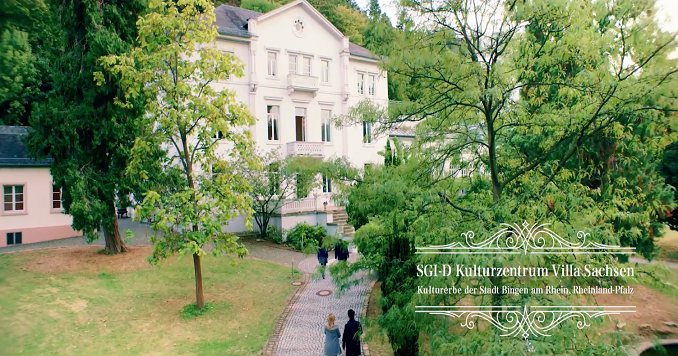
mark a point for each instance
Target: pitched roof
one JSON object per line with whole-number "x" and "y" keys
{"x": 13, "y": 151}
{"x": 360, "y": 51}
{"x": 232, "y": 21}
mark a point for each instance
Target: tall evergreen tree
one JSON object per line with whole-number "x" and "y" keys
{"x": 79, "y": 125}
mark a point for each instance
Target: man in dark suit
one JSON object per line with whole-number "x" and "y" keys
{"x": 341, "y": 252}
{"x": 351, "y": 338}
{"x": 323, "y": 256}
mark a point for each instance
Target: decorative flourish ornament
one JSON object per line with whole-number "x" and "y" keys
{"x": 532, "y": 239}
{"x": 534, "y": 321}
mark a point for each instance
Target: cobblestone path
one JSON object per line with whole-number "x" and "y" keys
{"x": 302, "y": 334}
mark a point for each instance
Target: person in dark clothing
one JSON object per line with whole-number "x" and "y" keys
{"x": 351, "y": 338}
{"x": 323, "y": 256}
{"x": 341, "y": 252}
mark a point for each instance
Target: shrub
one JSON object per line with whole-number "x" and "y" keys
{"x": 303, "y": 233}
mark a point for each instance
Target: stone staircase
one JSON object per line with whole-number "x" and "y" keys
{"x": 340, "y": 219}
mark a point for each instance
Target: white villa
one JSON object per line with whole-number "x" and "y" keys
{"x": 300, "y": 71}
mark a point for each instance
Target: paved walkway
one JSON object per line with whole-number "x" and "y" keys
{"x": 302, "y": 332}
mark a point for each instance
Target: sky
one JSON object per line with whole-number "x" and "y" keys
{"x": 667, "y": 14}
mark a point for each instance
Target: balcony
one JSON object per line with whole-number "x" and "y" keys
{"x": 303, "y": 148}
{"x": 298, "y": 82}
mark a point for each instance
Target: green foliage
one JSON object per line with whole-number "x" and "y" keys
{"x": 303, "y": 235}
{"x": 191, "y": 311}
{"x": 278, "y": 183}
{"x": 198, "y": 189}
{"x": 77, "y": 123}
{"x": 262, "y": 6}
{"x": 546, "y": 125}
{"x": 345, "y": 17}
{"x": 18, "y": 76}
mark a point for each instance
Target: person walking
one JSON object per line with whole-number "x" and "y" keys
{"x": 323, "y": 256}
{"x": 332, "y": 336}
{"x": 341, "y": 251}
{"x": 351, "y": 339}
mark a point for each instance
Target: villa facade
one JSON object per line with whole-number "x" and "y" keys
{"x": 300, "y": 72}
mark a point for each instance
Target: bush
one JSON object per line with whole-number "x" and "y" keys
{"x": 303, "y": 233}
{"x": 272, "y": 234}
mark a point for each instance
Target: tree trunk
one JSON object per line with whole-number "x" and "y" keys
{"x": 199, "y": 297}
{"x": 114, "y": 242}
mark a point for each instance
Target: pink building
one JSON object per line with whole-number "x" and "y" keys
{"x": 31, "y": 205}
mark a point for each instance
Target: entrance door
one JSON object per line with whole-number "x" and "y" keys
{"x": 300, "y": 122}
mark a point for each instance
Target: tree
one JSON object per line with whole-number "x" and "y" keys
{"x": 277, "y": 184}
{"x": 262, "y": 6}
{"x": 78, "y": 124}
{"x": 532, "y": 101}
{"x": 669, "y": 169}
{"x": 18, "y": 76}
{"x": 200, "y": 187}
{"x": 22, "y": 32}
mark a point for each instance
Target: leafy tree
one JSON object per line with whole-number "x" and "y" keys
{"x": 262, "y": 6}
{"x": 669, "y": 169}
{"x": 200, "y": 187}
{"x": 276, "y": 184}
{"x": 18, "y": 76}
{"x": 375, "y": 9}
{"x": 530, "y": 100}
{"x": 22, "y": 31}
{"x": 78, "y": 123}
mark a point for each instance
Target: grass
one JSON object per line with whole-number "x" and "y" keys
{"x": 374, "y": 335}
{"x": 669, "y": 245}
{"x": 145, "y": 311}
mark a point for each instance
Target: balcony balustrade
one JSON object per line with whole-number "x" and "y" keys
{"x": 298, "y": 82}
{"x": 303, "y": 148}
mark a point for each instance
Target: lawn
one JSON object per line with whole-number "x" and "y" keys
{"x": 76, "y": 302}
{"x": 669, "y": 245}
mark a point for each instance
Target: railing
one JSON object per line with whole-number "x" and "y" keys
{"x": 302, "y": 82}
{"x": 298, "y": 206}
{"x": 305, "y": 148}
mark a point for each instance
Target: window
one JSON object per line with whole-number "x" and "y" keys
{"x": 325, "y": 71}
{"x": 325, "y": 117}
{"x": 370, "y": 89}
{"x": 13, "y": 238}
{"x": 272, "y": 64}
{"x": 367, "y": 132}
{"x": 293, "y": 64}
{"x": 219, "y": 135}
{"x": 361, "y": 83}
{"x": 56, "y": 197}
{"x": 327, "y": 185}
{"x": 13, "y": 197}
{"x": 306, "y": 66}
{"x": 272, "y": 112}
